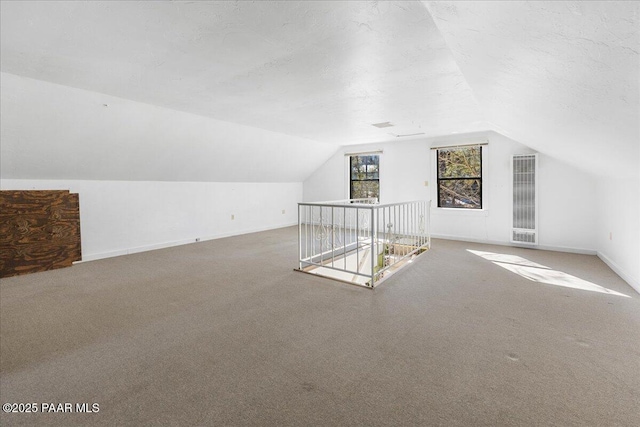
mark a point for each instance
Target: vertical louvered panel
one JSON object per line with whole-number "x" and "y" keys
{"x": 525, "y": 199}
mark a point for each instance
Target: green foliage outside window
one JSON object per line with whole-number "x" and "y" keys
{"x": 460, "y": 177}
{"x": 365, "y": 176}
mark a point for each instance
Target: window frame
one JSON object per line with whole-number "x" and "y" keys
{"x": 350, "y": 170}
{"x": 479, "y": 178}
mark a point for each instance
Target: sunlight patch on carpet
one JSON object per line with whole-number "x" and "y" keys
{"x": 542, "y": 274}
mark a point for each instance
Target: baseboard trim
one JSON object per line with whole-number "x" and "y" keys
{"x": 580, "y": 251}
{"x": 163, "y": 245}
{"x": 501, "y": 243}
{"x": 620, "y": 272}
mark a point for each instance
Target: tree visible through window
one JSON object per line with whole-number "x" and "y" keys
{"x": 365, "y": 176}
{"x": 460, "y": 177}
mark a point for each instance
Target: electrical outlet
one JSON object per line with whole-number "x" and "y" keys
{"x": 426, "y": 183}
{"x": 610, "y": 236}
{"x": 283, "y": 211}
{"x": 233, "y": 217}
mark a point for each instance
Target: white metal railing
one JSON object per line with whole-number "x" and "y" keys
{"x": 360, "y": 241}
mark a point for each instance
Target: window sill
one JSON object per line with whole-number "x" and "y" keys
{"x": 459, "y": 212}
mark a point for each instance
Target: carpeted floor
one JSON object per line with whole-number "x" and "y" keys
{"x": 224, "y": 332}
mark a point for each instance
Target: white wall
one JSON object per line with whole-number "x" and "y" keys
{"x": 51, "y": 131}
{"x": 403, "y": 169}
{"x": 120, "y": 217}
{"x": 566, "y": 219}
{"x": 618, "y": 231}
{"x": 148, "y": 176}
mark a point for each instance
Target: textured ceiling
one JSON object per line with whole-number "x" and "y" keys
{"x": 319, "y": 70}
{"x": 561, "y": 77}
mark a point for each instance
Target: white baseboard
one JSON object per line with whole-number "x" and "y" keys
{"x": 162, "y": 245}
{"x": 581, "y": 251}
{"x": 503, "y": 243}
{"x": 620, "y": 272}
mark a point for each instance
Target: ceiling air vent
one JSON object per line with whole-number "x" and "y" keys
{"x": 382, "y": 125}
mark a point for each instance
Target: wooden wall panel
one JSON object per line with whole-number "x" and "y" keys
{"x": 39, "y": 230}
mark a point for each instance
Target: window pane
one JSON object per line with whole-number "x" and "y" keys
{"x": 355, "y": 167}
{"x": 364, "y": 189}
{"x": 365, "y": 176}
{"x": 372, "y": 172}
{"x": 460, "y": 193}
{"x": 462, "y": 162}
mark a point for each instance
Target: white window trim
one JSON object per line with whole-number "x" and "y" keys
{"x": 485, "y": 180}
{"x": 347, "y": 171}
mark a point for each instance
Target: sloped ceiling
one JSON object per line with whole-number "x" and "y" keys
{"x": 51, "y": 131}
{"x": 561, "y": 77}
{"x": 320, "y": 70}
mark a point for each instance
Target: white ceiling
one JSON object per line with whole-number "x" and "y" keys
{"x": 561, "y": 77}
{"x": 322, "y": 70}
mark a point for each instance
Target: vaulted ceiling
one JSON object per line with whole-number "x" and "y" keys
{"x": 320, "y": 70}
{"x": 561, "y": 77}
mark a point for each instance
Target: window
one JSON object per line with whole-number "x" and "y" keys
{"x": 364, "y": 176}
{"x": 460, "y": 177}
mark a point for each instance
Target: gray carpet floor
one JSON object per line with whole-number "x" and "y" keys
{"x": 224, "y": 332}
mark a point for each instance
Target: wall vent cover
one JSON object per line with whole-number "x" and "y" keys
{"x": 524, "y": 169}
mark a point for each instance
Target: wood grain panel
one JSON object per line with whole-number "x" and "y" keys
{"x": 31, "y": 202}
{"x": 39, "y": 230}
